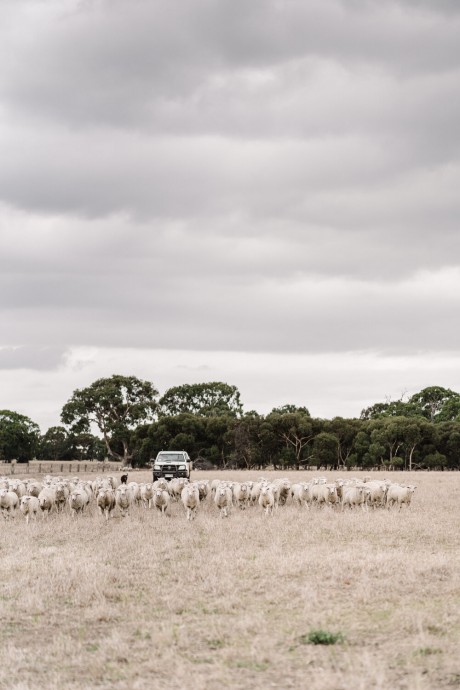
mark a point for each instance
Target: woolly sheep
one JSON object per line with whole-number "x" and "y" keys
{"x": 105, "y": 501}
{"x": 267, "y": 499}
{"x": 190, "y": 499}
{"x": 8, "y": 503}
{"x": 223, "y": 499}
{"x": 123, "y": 499}
{"x": 400, "y": 494}
{"x": 78, "y": 500}
{"x": 46, "y": 501}
{"x": 161, "y": 500}
{"x": 29, "y": 507}
{"x": 146, "y": 491}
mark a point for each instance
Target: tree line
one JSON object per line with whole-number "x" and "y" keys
{"x": 124, "y": 418}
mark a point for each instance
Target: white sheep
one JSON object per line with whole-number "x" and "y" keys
{"x": 354, "y": 496}
{"x": 175, "y": 487}
{"x": 190, "y": 499}
{"x": 8, "y": 503}
{"x": 46, "y": 500}
{"x": 281, "y": 491}
{"x": 203, "y": 489}
{"x": 135, "y": 491}
{"x": 255, "y": 492}
{"x": 29, "y": 507}
{"x": 61, "y": 496}
{"x": 267, "y": 499}
{"x": 34, "y": 488}
{"x": 377, "y": 491}
{"x": 161, "y": 483}
{"x": 161, "y": 500}
{"x": 123, "y": 499}
{"x": 78, "y": 500}
{"x": 105, "y": 501}
{"x": 324, "y": 494}
{"x": 241, "y": 495}
{"x": 223, "y": 499}
{"x": 400, "y": 494}
{"x": 146, "y": 491}
{"x": 300, "y": 494}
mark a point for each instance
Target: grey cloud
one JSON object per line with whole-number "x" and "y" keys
{"x": 121, "y": 62}
{"x": 264, "y": 176}
{"x": 37, "y": 357}
{"x": 113, "y": 265}
{"x": 217, "y": 299}
{"x": 200, "y": 177}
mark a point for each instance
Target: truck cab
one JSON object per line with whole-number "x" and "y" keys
{"x": 171, "y": 463}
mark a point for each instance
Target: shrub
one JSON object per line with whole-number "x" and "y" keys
{"x": 322, "y": 637}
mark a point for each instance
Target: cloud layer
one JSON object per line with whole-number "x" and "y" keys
{"x": 268, "y": 177}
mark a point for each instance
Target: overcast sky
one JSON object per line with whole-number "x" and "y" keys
{"x": 264, "y": 193}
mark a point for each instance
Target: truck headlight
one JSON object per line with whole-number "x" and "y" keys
{"x": 182, "y": 467}
{"x": 157, "y": 467}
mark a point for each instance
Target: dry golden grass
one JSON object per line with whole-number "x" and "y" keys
{"x": 151, "y": 602}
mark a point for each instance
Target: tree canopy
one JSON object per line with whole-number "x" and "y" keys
{"x": 421, "y": 432}
{"x": 19, "y": 436}
{"x": 116, "y": 405}
{"x": 203, "y": 399}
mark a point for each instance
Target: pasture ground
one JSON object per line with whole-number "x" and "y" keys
{"x": 149, "y": 602}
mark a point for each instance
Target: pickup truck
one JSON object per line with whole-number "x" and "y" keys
{"x": 171, "y": 463}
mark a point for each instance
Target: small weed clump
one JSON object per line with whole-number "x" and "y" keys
{"x": 428, "y": 651}
{"x": 322, "y": 637}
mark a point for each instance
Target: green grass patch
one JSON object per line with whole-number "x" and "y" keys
{"x": 428, "y": 651}
{"x": 324, "y": 637}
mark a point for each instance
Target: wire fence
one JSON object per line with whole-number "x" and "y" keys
{"x": 58, "y": 467}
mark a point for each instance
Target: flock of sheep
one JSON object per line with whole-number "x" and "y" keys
{"x": 56, "y": 494}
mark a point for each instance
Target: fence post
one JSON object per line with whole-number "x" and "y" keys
{"x": 39, "y": 468}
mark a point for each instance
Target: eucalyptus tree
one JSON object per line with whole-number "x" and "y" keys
{"x": 204, "y": 399}
{"x": 116, "y": 406}
{"x": 19, "y": 436}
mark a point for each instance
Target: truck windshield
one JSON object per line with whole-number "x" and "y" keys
{"x": 171, "y": 457}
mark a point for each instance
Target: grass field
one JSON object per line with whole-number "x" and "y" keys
{"x": 150, "y": 602}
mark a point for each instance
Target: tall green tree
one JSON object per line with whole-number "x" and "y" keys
{"x": 85, "y": 446}
{"x": 345, "y": 431}
{"x": 181, "y": 432}
{"x": 437, "y": 404}
{"x": 325, "y": 449}
{"x": 54, "y": 444}
{"x": 204, "y": 399}
{"x": 447, "y": 443}
{"x": 296, "y": 431}
{"x": 116, "y": 405}
{"x": 391, "y": 408}
{"x": 19, "y": 436}
{"x": 248, "y": 440}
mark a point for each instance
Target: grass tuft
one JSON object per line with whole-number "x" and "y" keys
{"x": 322, "y": 637}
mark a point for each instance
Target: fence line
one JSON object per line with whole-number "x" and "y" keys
{"x": 57, "y": 467}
